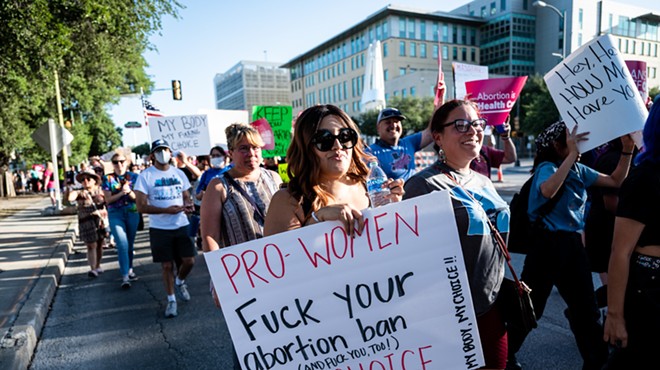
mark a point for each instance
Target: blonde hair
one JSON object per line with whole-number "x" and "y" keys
{"x": 237, "y": 131}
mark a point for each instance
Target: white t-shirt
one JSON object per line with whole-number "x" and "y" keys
{"x": 164, "y": 189}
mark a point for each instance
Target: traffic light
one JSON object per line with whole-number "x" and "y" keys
{"x": 176, "y": 90}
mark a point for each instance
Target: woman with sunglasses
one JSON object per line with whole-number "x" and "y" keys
{"x": 91, "y": 213}
{"x": 122, "y": 210}
{"x": 458, "y": 133}
{"x": 327, "y": 173}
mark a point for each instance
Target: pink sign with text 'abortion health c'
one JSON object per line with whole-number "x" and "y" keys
{"x": 495, "y": 97}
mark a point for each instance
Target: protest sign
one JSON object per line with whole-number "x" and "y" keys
{"x": 266, "y": 133}
{"x": 219, "y": 119}
{"x": 279, "y": 117}
{"x": 466, "y": 72}
{"x": 495, "y": 97}
{"x": 395, "y": 296}
{"x": 282, "y": 171}
{"x": 593, "y": 89}
{"x": 187, "y": 133}
{"x": 637, "y": 70}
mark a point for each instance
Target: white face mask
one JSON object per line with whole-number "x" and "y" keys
{"x": 163, "y": 156}
{"x": 218, "y": 162}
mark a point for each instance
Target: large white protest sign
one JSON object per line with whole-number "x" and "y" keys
{"x": 463, "y": 73}
{"x": 394, "y": 297}
{"x": 593, "y": 89}
{"x": 219, "y": 119}
{"x": 187, "y": 133}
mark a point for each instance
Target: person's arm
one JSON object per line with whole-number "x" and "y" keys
{"x": 196, "y": 172}
{"x": 427, "y": 137}
{"x": 281, "y": 215}
{"x": 211, "y": 215}
{"x": 510, "y": 154}
{"x": 626, "y": 234}
{"x": 143, "y": 206}
{"x": 125, "y": 190}
{"x": 551, "y": 186}
{"x": 621, "y": 171}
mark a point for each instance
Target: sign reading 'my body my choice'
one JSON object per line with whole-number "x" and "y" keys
{"x": 593, "y": 89}
{"x": 394, "y": 297}
{"x": 188, "y": 133}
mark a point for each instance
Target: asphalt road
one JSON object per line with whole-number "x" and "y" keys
{"x": 95, "y": 324}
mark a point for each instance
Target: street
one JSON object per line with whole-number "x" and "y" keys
{"x": 93, "y": 323}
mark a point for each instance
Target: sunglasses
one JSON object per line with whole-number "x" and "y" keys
{"x": 324, "y": 140}
{"x": 88, "y": 179}
{"x": 463, "y": 125}
{"x": 118, "y": 162}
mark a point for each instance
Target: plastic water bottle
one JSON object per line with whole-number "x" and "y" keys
{"x": 375, "y": 180}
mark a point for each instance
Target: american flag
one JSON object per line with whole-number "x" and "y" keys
{"x": 150, "y": 111}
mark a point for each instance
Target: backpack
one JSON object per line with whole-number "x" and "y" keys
{"x": 521, "y": 229}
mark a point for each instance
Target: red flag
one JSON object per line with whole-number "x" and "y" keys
{"x": 440, "y": 88}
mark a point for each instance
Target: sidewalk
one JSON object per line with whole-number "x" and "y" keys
{"x": 33, "y": 252}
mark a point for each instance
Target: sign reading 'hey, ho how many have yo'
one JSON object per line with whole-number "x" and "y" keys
{"x": 593, "y": 89}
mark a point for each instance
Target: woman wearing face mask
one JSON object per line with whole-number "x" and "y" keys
{"x": 219, "y": 166}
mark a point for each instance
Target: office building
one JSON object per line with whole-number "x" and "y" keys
{"x": 511, "y": 37}
{"x": 251, "y": 83}
{"x": 333, "y": 72}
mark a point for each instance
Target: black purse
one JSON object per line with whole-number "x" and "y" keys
{"x": 514, "y": 299}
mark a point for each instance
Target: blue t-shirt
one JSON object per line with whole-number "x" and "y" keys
{"x": 397, "y": 161}
{"x": 569, "y": 212}
{"x": 209, "y": 175}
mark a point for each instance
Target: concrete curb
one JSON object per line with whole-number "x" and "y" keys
{"x": 18, "y": 346}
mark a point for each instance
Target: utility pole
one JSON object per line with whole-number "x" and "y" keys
{"x": 60, "y": 116}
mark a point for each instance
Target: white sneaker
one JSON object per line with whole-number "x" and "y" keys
{"x": 170, "y": 311}
{"x": 182, "y": 291}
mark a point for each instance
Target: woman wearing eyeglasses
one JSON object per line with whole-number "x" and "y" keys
{"x": 122, "y": 210}
{"x": 327, "y": 174}
{"x": 91, "y": 213}
{"x": 458, "y": 133}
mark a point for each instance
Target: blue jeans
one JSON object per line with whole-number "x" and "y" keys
{"x": 123, "y": 225}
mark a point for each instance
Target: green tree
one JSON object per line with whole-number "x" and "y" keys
{"x": 95, "y": 46}
{"x": 654, "y": 91}
{"x": 418, "y": 112}
{"x": 142, "y": 149}
{"x": 538, "y": 109}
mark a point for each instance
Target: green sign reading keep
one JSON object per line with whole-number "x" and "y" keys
{"x": 279, "y": 117}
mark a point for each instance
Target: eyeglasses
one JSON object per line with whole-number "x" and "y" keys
{"x": 463, "y": 125}
{"x": 324, "y": 140}
{"x": 119, "y": 161}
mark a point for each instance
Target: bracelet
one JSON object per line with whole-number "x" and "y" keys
{"x": 314, "y": 217}
{"x": 626, "y": 153}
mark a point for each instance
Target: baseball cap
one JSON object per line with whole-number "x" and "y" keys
{"x": 388, "y": 113}
{"x": 160, "y": 143}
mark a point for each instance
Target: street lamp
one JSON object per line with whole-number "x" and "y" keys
{"x": 562, "y": 16}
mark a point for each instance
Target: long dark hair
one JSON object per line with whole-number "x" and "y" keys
{"x": 304, "y": 168}
{"x": 651, "y": 135}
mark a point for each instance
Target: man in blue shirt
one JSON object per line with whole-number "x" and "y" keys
{"x": 396, "y": 155}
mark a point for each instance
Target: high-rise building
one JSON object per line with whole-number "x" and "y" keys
{"x": 511, "y": 37}
{"x": 526, "y": 36}
{"x": 333, "y": 72}
{"x": 251, "y": 83}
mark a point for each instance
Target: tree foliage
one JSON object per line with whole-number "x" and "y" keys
{"x": 538, "y": 109}
{"x": 96, "y": 48}
{"x": 418, "y": 112}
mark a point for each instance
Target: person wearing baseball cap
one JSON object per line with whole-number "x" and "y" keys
{"x": 162, "y": 192}
{"x": 396, "y": 155}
